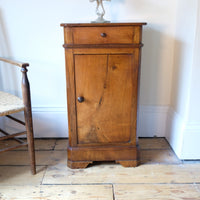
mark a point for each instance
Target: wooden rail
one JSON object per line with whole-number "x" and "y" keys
{"x": 8, "y": 136}
{"x": 13, "y": 147}
{"x": 13, "y": 62}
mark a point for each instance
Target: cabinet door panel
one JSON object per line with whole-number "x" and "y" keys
{"x": 106, "y": 83}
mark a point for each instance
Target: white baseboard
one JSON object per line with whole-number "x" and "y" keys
{"x": 183, "y": 137}
{"x": 152, "y": 121}
{"x": 191, "y": 138}
{"x": 52, "y": 121}
{"x": 174, "y": 131}
{"x": 48, "y": 122}
{"x": 160, "y": 121}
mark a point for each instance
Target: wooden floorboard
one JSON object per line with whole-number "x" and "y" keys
{"x": 57, "y": 192}
{"x": 40, "y": 144}
{"x": 20, "y": 176}
{"x": 112, "y": 173}
{"x": 161, "y": 175}
{"x": 156, "y": 192}
{"x": 42, "y": 158}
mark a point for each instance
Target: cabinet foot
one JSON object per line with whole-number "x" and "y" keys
{"x": 78, "y": 165}
{"x": 128, "y": 163}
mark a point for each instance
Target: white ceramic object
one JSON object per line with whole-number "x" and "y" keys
{"x": 100, "y": 11}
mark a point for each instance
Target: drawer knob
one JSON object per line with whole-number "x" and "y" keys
{"x": 103, "y": 34}
{"x": 80, "y": 99}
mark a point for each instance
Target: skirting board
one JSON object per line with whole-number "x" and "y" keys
{"x": 152, "y": 121}
{"x": 52, "y": 121}
{"x": 48, "y": 122}
{"x": 160, "y": 121}
{"x": 191, "y": 138}
{"x": 183, "y": 137}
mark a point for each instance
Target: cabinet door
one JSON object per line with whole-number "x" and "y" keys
{"x": 108, "y": 85}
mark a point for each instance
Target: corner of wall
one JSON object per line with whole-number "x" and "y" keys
{"x": 174, "y": 131}
{"x": 183, "y": 137}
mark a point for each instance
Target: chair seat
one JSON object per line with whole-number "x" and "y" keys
{"x": 10, "y": 104}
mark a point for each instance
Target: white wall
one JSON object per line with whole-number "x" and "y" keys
{"x": 191, "y": 148}
{"x": 183, "y": 56}
{"x": 30, "y": 31}
{"x": 194, "y": 116}
{"x": 184, "y": 122}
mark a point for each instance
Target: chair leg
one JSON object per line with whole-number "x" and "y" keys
{"x": 28, "y": 117}
{"x": 30, "y": 139}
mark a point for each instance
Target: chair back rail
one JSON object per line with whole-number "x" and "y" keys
{"x": 13, "y": 62}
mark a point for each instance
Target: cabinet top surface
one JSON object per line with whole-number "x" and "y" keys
{"x": 102, "y": 24}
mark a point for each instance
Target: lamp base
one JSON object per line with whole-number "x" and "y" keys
{"x": 100, "y": 20}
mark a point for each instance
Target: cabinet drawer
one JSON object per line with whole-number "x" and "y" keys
{"x": 106, "y": 35}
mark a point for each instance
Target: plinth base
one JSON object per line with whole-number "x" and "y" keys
{"x": 81, "y": 157}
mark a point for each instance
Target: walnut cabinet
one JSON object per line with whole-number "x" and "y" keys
{"x": 102, "y": 73}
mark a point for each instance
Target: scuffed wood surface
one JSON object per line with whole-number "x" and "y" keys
{"x": 156, "y": 192}
{"x": 39, "y": 144}
{"x": 153, "y": 143}
{"x": 57, "y": 192}
{"x": 107, "y": 83}
{"x": 113, "y": 173}
{"x": 105, "y": 181}
{"x": 20, "y": 176}
{"x": 43, "y": 158}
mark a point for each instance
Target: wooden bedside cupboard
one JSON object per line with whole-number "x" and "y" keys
{"x": 102, "y": 73}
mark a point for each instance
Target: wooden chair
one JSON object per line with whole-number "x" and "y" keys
{"x": 10, "y": 104}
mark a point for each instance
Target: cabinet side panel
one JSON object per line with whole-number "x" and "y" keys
{"x": 135, "y": 78}
{"x": 71, "y": 97}
{"x": 68, "y": 35}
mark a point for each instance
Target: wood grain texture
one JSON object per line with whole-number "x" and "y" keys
{"x": 103, "y": 51}
{"x": 156, "y": 192}
{"x": 78, "y": 164}
{"x": 153, "y": 143}
{"x": 106, "y": 82}
{"x": 58, "y": 192}
{"x": 21, "y": 158}
{"x": 102, "y": 153}
{"x": 102, "y": 89}
{"x": 104, "y": 180}
{"x": 40, "y": 144}
{"x": 128, "y": 163}
{"x": 114, "y": 173}
{"x": 71, "y": 97}
{"x": 106, "y": 35}
{"x": 161, "y": 156}
{"x": 20, "y": 176}
{"x": 26, "y": 94}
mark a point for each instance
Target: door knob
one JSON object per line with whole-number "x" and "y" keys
{"x": 80, "y": 99}
{"x": 103, "y": 34}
